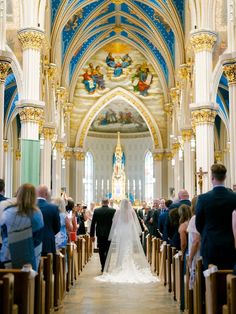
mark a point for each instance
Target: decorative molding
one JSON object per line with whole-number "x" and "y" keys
{"x": 158, "y": 156}
{"x": 218, "y": 156}
{"x": 68, "y": 107}
{"x": 168, "y": 108}
{"x": 79, "y": 155}
{"x": 203, "y": 116}
{"x": 68, "y": 153}
{"x": 59, "y": 147}
{"x": 122, "y": 135}
{"x": 5, "y": 145}
{"x": 62, "y": 93}
{"x": 175, "y": 147}
{"x": 4, "y": 70}
{"x": 174, "y": 94}
{"x": 184, "y": 71}
{"x": 51, "y": 71}
{"x": 30, "y": 114}
{"x": 186, "y": 134}
{"x": 168, "y": 155}
{"x": 117, "y": 1}
{"x": 48, "y": 133}
{"x": 229, "y": 69}
{"x": 31, "y": 38}
{"x": 203, "y": 40}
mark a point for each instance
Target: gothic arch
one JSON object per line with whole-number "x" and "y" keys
{"x": 133, "y": 101}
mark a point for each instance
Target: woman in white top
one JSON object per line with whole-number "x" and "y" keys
{"x": 126, "y": 262}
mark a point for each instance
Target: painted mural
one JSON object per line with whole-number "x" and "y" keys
{"x": 119, "y": 116}
{"x": 117, "y": 64}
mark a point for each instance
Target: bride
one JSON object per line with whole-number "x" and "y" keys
{"x": 125, "y": 260}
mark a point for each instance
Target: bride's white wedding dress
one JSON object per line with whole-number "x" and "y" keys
{"x": 126, "y": 261}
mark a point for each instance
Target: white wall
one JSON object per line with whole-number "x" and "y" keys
{"x": 103, "y": 149}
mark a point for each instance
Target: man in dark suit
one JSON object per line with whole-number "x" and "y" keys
{"x": 102, "y": 219}
{"x": 2, "y": 190}
{"x": 214, "y": 222}
{"x": 51, "y": 219}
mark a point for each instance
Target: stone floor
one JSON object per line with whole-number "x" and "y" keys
{"x": 89, "y": 296}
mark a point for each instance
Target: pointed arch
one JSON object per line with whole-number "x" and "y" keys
{"x": 132, "y": 100}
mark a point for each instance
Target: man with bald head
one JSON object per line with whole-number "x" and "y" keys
{"x": 183, "y": 198}
{"x": 51, "y": 219}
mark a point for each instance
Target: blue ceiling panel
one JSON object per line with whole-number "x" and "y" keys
{"x": 13, "y": 106}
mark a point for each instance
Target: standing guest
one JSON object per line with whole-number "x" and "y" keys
{"x": 61, "y": 236}
{"x": 2, "y": 190}
{"x": 183, "y": 198}
{"x": 102, "y": 220}
{"x": 51, "y": 219}
{"x": 89, "y": 214}
{"x": 24, "y": 225}
{"x": 71, "y": 221}
{"x": 214, "y": 221}
{"x": 142, "y": 216}
{"x": 184, "y": 217}
{"x": 81, "y": 218}
{"x": 155, "y": 217}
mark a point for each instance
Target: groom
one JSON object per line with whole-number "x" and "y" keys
{"x": 102, "y": 218}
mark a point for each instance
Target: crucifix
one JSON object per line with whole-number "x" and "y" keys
{"x": 200, "y": 175}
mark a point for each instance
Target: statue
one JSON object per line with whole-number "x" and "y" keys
{"x": 200, "y": 174}
{"x": 118, "y": 176}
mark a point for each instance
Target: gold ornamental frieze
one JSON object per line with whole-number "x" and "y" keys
{"x": 203, "y": 40}
{"x": 31, "y": 38}
{"x": 218, "y": 156}
{"x": 230, "y": 72}
{"x": 4, "y": 70}
{"x": 30, "y": 114}
{"x": 18, "y": 154}
{"x": 79, "y": 155}
{"x": 174, "y": 94}
{"x": 59, "y": 147}
{"x": 5, "y": 146}
{"x": 68, "y": 107}
{"x": 184, "y": 71}
{"x": 168, "y": 108}
{"x": 158, "y": 156}
{"x": 68, "y": 154}
{"x": 175, "y": 147}
{"x": 168, "y": 155}
{"x": 202, "y": 116}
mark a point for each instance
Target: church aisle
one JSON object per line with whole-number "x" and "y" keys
{"x": 89, "y": 296}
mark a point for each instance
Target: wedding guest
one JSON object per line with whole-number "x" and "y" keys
{"x": 61, "y": 236}
{"x": 81, "y": 218}
{"x": 2, "y": 190}
{"x": 71, "y": 222}
{"x": 234, "y": 226}
{"x": 89, "y": 214}
{"x": 184, "y": 217}
{"x": 24, "y": 221}
{"x": 51, "y": 220}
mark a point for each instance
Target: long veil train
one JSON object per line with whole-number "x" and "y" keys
{"x": 126, "y": 261}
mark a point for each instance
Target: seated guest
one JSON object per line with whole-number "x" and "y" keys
{"x": 61, "y": 236}
{"x": 51, "y": 219}
{"x": 24, "y": 225}
{"x": 214, "y": 222}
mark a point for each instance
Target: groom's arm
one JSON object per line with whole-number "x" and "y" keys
{"x": 92, "y": 228}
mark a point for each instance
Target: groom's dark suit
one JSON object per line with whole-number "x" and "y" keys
{"x": 102, "y": 219}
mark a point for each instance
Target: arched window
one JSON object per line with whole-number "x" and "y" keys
{"x": 148, "y": 176}
{"x": 88, "y": 182}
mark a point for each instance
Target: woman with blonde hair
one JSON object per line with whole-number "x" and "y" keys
{"x": 24, "y": 226}
{"x": 61, "y": 236}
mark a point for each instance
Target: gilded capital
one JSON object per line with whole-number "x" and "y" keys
{"x": 186, "y": 134}
{"x": 4, "y": 70}
{"x": 79, "y": 155}
{"x": 61, "y": 92}
{"x": 229, "y": 69}
{"x": 18, "y": 154}
{"x": 59, "y": 146}
{"x": 30, "y": 114}
{"x": 68, "y": 107}
{"x": 48, "y": 133}
{"x": 203, "y": 116}
{"x": 218, "y": 156}
{"x": 175, "y": 147}
{"x": 51, "y": 71}
{"x": 158, "y": 156}
{"x": 31, "y": 38}
{"x": 5, "y": 146}
{"x": 168, "y": 108}
{"x": 203, "y": 40}
{"x": 184, "y": 71}
{"x": 174, "y": 94}
{"x": 68, "y": 154}
{"x": 169, "y": 155}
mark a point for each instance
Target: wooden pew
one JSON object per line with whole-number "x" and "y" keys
{"x": 58, "y": 282}
{"x": 49, "y": 283}
{"x": 40, "y": 286}
{"x": 154, "y": 255}
{"x": 24, "y": 288}
{"x": 230, "y": 307}
{"x": 79, "y": 254}
{"x": 178, "y": 275}
{"x": 216, "y": 290}
{"x": 158, "y": 256}
{"x": 7, "y": 305}
{"x": 188, "y": 292}
{"x": 199, "y": 289}
{"x": 70, "y": 266}
{"x": 163, "y": 269}
{"x": 168, "y": 266}
{"x": 149, "y": 247}
{"x": 173, "y": 276}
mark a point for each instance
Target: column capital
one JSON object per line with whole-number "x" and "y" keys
{"x": 30, "y": 113}
{"x": 174, "y": 94}
{"x": 203, "y": 39}
{"x": 158, "y": 155}
{"x": 218, "y": 156}
{"x": 18, "y": 154}
{"x": 79, "y": 154}
{"x": 203, "y": 116}
{"x": 186, "y": 134}
{"x": 168, "y": 155}
{"x": 51, "y": 69}
{"x": 68, "y": 107}
{"x": 60, "y": 146}
{"x": 62, "y": 92}
{"x": 184, "y": 71}
{"x": 31, "y": 38}
{"x": 4, "y": 70}
{"x": 229, "y": 68}
{"x": 168, "y": 108}
{"x": 175, "y": 147}
{"x": 68, "y": 153}
{"x": 49, "y": 132}
{"x": 5, "y": 145}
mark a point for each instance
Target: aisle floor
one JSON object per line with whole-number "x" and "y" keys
{"x": 89, "y": 296}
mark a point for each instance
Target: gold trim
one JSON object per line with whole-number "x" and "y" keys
{"x": 79, "y": 155}
{"x": 48, "y": 133}
{"x": 68, "y": 154}
{"x": 201, "y": 41}
{"x": 68, "y": 107}
{"x": 5, "y": 146}
{"x": 30, "y": 114}
{"x": 218, "y": 156}
{"x": 230, "y": 72}
{"x": 31, "y": 38}
{"x": 175, "y": 147}
{"x": 202, "y": 116}
{"x": 168, "y": 108}
{"x": 186, "y": 134}
{"x": 4, "y": 70}
{"x": 168, "y": 155}
{"x": 158, "y": 156}
{"x": 174, "y": 94}
{"x": 184, "y": 71}
{"x": 18, "y": 154}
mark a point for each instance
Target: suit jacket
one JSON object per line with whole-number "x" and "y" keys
{"x": 2, "y": 198}
{"x": 52, "y": 225}
{"x": 102, "y": 219}
{"x": 178, "y": 204}
{"x": 214, "y": 223}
